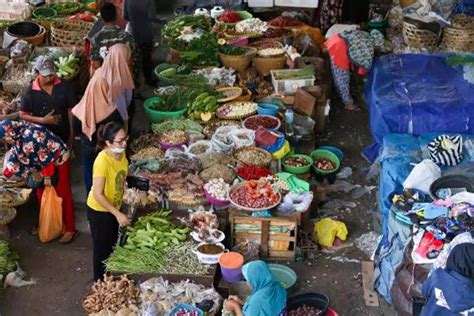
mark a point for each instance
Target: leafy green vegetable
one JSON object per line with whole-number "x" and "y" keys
{"x": 302, "y": 73}
{"x": 232, "y": 50}
{"x": 8, "y": 258}
{"x": 202, "y": 51}
{"x": 184, "y": 124}
{"x": 177, "y": 99}
{"x": 173, "y": 28}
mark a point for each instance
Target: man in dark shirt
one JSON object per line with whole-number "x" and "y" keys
{"x": 140, "y": 15}
{"x": 49, "y": 100}
{"x": 109, "y": 35}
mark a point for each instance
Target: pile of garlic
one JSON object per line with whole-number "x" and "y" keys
{"x": 217, "y": 188}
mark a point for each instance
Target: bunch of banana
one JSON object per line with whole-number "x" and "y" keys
{"x": 203, "y": 107}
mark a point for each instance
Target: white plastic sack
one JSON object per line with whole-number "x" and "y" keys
{"x": 242, "y": 137}
{"x": 200, "y": 143}
{"x": 221, "y": 141}
{"x": 299, "y": 202}
{"x": 422, "y": 176}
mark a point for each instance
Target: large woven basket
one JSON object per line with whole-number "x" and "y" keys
{"x": 419, "y": 38}
{"x": 239, "y": 62}
{"x": 37, "y": 39}
{"x": 69, "y": 33}
{"x": 458, "y": 39}
{"x": 462, "y": 21}
{"x": 14, "y": 85}
{"x": 265, "y": 64}
{"x": 7, "y": 215}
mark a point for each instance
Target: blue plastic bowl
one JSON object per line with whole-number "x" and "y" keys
{"x": 336, "y": 151}
{"x": 267, "y": 109}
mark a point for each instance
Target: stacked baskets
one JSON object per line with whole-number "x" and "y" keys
{"x": 238, "y": 62}
{"x": 69, "y": 33}
{"x": 460, "y": 36}
{"x": 264, "y": 64}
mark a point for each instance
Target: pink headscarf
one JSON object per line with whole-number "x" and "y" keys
{"x": 106, "y": 85}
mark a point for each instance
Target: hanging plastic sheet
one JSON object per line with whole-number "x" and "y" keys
{"x": 417, "y": 94}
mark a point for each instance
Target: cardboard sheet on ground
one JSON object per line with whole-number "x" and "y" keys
{"x": 417, "y": 94}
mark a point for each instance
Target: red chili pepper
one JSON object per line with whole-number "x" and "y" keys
{"x": 253, "y": 172}
{"x": 230, "y": 17}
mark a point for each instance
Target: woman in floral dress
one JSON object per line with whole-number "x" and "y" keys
{"x": 34, "y": 149}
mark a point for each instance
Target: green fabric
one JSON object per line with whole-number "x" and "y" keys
{"x": 294, "y": 183}
{"x": 268, "y": 297}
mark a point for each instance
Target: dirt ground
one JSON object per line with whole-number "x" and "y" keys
{"x": 64, "y": 272}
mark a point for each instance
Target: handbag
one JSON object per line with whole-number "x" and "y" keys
{"x": 446, "y": 150}
{"x": 35, "y": 179}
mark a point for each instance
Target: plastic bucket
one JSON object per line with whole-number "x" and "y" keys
{"x": 317, "y": 300}
{"x": 231, "y": 266}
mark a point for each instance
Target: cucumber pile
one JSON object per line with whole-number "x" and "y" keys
{"x": 155, "y": 231}
{"x": 204, "y": 103}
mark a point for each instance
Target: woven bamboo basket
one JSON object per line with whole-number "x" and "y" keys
{"x": 174, "y": 56}
{"x": 462, "y": 21}
{"x": 69, "y": 33}
{"x": 267, "y": 157}
{"x": 265, "y": 64}
{"x": 458, "y": 39}
{"x": 14, "y": 85}
{"x": 229, "y": 94}
{"x": 407, "y": 3}
{"x": 7, "y": 215}
{"x": 246, "y": 96}
{"x": 418, "y": 38}
{"x": 239, "y": 62}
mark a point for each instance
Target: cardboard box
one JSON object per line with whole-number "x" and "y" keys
{"x": 311, "y": 101}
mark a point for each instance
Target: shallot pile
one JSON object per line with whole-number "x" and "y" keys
{"x": 255, "y": 195}
{"x": 305, "y": 310}
{"x": 324, "y": 164}
{"x": 112, "y": 294}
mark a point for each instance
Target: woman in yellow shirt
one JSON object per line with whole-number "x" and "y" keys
{"x": 105, "y": 198}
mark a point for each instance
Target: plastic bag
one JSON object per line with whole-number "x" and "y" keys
{"x": 221, "y": 141}
{"x": 327, "y": 229}
{"x": 299, "y": 202}
{"x": 206, "y": 143}
{"x": 242, "y": 137}
{"x": 51, "y": 215}
{"x": 422, "y": 176}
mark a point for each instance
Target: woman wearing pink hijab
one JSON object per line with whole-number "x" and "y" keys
{"x": 106, "y": 99}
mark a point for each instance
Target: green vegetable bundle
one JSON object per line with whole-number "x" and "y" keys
{"x": 155, "y": 231}
{"x": 183, "y": 124}
{"x": 8, "y": 258}
{"x": 173, "y": 28}
{"x": 232, "y": 50}
{"x": 204, "y": 103}
{"x": 181, "y": 97}
{"x": 202, "y": 51}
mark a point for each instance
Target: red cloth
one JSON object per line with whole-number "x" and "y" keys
{"x": 63, "y": 189}
{"x": 338, "y": 52}
{"x": 87, "y": 50}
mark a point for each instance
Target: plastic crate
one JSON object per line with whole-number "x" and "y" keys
{"x": 289, "y": 86}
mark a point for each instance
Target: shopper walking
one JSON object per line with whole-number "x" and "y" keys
{"x": 105, "y": 198}
{"x": 140, "y": 15}
{"x": 34, "y": 149}
{"x": 106, "y": 99}
{"x": 109, "y": 35}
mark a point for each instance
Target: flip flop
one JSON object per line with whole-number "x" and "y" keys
{"x": 69, "y": 239}
{"x": 352, "y": 109}
{"x": 34, "y": 231}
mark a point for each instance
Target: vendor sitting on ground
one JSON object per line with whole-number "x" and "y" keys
{"x": 105, "y": 198}
{"x": 36, "y": 149}
{"x": 450, "y": 291}
{"x": 268, "y": 297}
{"x": 108, "y": 36}
{"x": 351, "y": 51}
{"x": 49, "y": 100}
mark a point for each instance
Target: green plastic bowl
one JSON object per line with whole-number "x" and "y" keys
{"x": 156, "y": 116}
{"x": 297, "y": 170}
{"x": 244, "y": 15}
{"x": 165, "y": 81}
{"x": 45, "y": 13}
{"x": 286, "y": 276}
{"x": 326, "y": 154}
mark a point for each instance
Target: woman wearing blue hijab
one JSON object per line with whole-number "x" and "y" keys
{"x": 268, "y": 297}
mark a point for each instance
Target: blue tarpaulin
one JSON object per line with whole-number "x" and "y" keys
{"x": 417, "y": 94}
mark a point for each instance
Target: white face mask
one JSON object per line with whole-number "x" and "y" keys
{"x": 116, "y": 150}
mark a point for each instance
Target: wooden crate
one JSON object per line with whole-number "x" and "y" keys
{"x": 274, "y": 245}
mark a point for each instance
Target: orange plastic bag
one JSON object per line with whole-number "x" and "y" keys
{"x": 51, "y": 215}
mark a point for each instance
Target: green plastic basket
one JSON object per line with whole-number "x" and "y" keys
{"x": 320, "y": 153}
{"x": 297, "y": 170}
{"x": 156, "y": 116}
{"x": 165, "y": 81}
{"x": 45, "y": 13}
{"x": 244, "y": 15}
